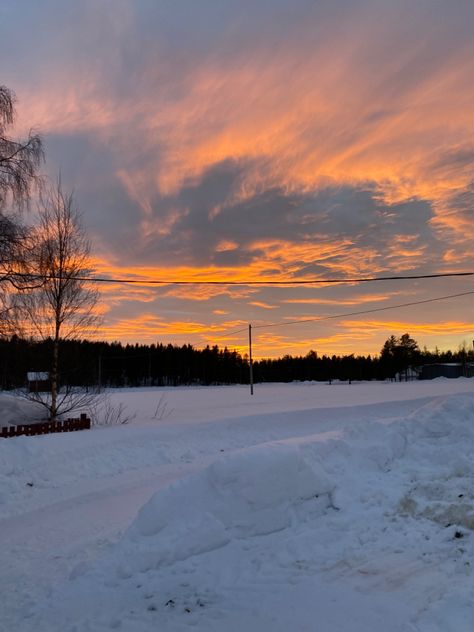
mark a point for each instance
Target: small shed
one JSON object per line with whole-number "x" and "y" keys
{"x": 38, "y": 382}
{"x": 441, "y": 369}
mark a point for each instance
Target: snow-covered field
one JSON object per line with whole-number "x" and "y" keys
{"x": 342, "y": 508}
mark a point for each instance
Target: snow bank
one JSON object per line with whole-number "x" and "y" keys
{"x": 441, "y": 436}
{"x": 257, "y": 491}
{"x": 15, "y": 410}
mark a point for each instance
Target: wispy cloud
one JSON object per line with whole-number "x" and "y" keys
{"x": 256, "y": 139}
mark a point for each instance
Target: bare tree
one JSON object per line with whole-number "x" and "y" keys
{"x": 19, "y": 164}
{"x": 19, "y": 159}
{"x": 12, "y": 235}
{"x": 62, "y": 307}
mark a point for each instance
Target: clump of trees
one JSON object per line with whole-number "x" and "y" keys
{"x": 399, "y": 354}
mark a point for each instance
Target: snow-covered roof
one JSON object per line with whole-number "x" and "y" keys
{"x": 37, "y": 376}
{"x": 443, "y": 364}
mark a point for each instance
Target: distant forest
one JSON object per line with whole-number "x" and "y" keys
{"x": 86, "y": 363}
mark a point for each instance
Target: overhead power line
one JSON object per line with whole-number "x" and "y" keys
{"x": 347, "y": 314}
{"x": 288, "y": 282}
{"x": 359, "y": 313}
{"x": 282, "y": 282}
{"x": 234, "y": 333}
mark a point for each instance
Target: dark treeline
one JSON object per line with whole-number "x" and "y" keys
{"x": 393, "y": 362}
{"x": 86, "y": 363}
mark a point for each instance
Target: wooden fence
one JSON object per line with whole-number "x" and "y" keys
{"x": 67, "y": 425}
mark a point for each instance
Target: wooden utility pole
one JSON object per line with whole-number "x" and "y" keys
{"x": 250, "y": 360}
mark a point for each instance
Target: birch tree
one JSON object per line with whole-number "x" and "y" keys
{"x": 19, "y": 164}
{"x": 63, "y": 305}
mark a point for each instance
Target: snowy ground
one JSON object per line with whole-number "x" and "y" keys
{"x": 305, "y": 507}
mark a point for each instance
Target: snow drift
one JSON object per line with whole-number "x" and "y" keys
{"x": 257, "y": 491}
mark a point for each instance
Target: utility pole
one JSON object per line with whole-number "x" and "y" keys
{"x": 250, "y": 360}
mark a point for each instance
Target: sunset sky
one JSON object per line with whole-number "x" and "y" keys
{"x": 260, "y": 140}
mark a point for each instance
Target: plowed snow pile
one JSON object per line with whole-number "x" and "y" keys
{"x": 322, "y": 519}
{"x": 253, "y": 492}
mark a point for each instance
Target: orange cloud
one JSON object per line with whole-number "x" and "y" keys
{"x": 356, "y": 300}
{"x": 327, "y": 121}
{"x": 426, "y": 328}
{"x": 340, "y": 256}
{"x": 226, "y": 245}
{"x": 262, "y": 305}
{"x": 151, "y": 327}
